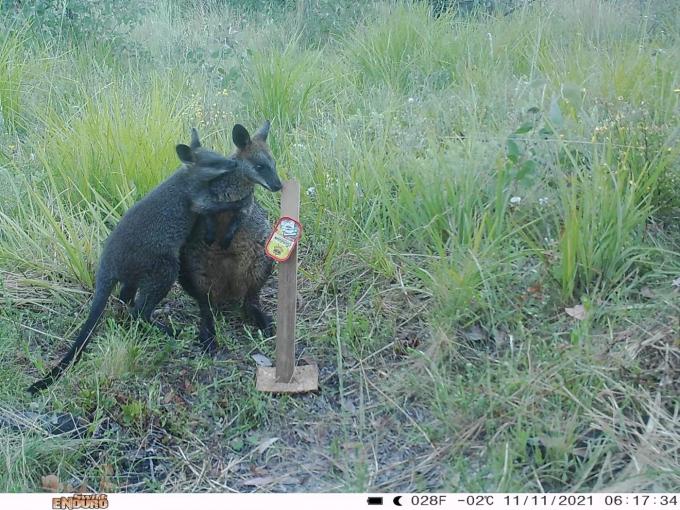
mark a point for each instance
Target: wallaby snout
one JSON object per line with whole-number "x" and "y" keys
{"x": 274, "y": 183}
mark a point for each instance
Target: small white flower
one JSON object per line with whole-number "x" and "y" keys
{"x": 311, "y": 192}
{"x": 515, "y": 200}
{"x": 411, "y": 100}
{"x": 543, "y": 200}
{"x": 32, "y": 156}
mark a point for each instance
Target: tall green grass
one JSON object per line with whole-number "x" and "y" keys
{"x": 600, "y": 244}
{"x": 395, "y": 160}
{"x": 13, "y": 63}
{"x": 117, "y": 145}
{"x": 283, "y": 83}
{"x": 405, "y": 50}
{"x": 46, "y": 234}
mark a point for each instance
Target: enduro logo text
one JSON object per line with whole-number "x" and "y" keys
{"x": 80, "y": 501}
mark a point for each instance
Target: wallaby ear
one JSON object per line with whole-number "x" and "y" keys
{"x": 240, "y": 136}
{"x": 263, "y": 131}
{"x": 208, "y": 173}
{"x": 186, "y": 155}
{"x": 195, "y": 142}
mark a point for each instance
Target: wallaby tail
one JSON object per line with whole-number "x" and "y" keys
{"x": 104, "y": 286}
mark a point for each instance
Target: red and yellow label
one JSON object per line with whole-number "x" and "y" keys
{"x": 283, "y": 239}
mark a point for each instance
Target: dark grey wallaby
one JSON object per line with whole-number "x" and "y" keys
{"x": 236, "y": 268}
{"x": 143, "y": 251}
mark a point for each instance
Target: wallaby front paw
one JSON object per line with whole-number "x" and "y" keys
{"x": 208, "y": 342}
{"x": 37, "y": 387}
{"x": 172, "y": 332}
{"x": 209, "y": 346}
{"x": 268, "y": 322}
{"x": 226, "y": 242}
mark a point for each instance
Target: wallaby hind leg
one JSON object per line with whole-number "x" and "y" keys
{"x": 254, "y": 313}
{"x": 151, "y": 290}
{"x": 206, "y": 332}
{"x": 260, "y": 271}
{"x": 127, "y": 294}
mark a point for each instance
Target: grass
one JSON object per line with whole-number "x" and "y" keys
{"x": 283, "y": 83}
{"x": 468, "y": 182}
{"x": 12, "y": 71}
{"x": 120, "y": 144}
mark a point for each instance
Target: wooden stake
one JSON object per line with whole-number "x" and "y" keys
{"x": 286, "y": 377}
{"x": 285, "y": 318}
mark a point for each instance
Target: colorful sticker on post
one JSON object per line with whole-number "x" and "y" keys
{"x": 283, "y": 239}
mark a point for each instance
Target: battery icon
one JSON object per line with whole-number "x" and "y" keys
{"x": 375, "y": 500}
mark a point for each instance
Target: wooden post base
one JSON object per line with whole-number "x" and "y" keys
{"x": 305, "y": 378}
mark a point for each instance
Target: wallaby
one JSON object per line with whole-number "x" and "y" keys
{"x": 235, "y": 269}
{"x": 143, "y": 251}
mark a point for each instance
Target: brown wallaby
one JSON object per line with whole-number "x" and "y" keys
{"x": 143, "y": 251}
{"x": 236, "y": 268}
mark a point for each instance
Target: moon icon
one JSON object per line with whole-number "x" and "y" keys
{"x": 396, "y": 501}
